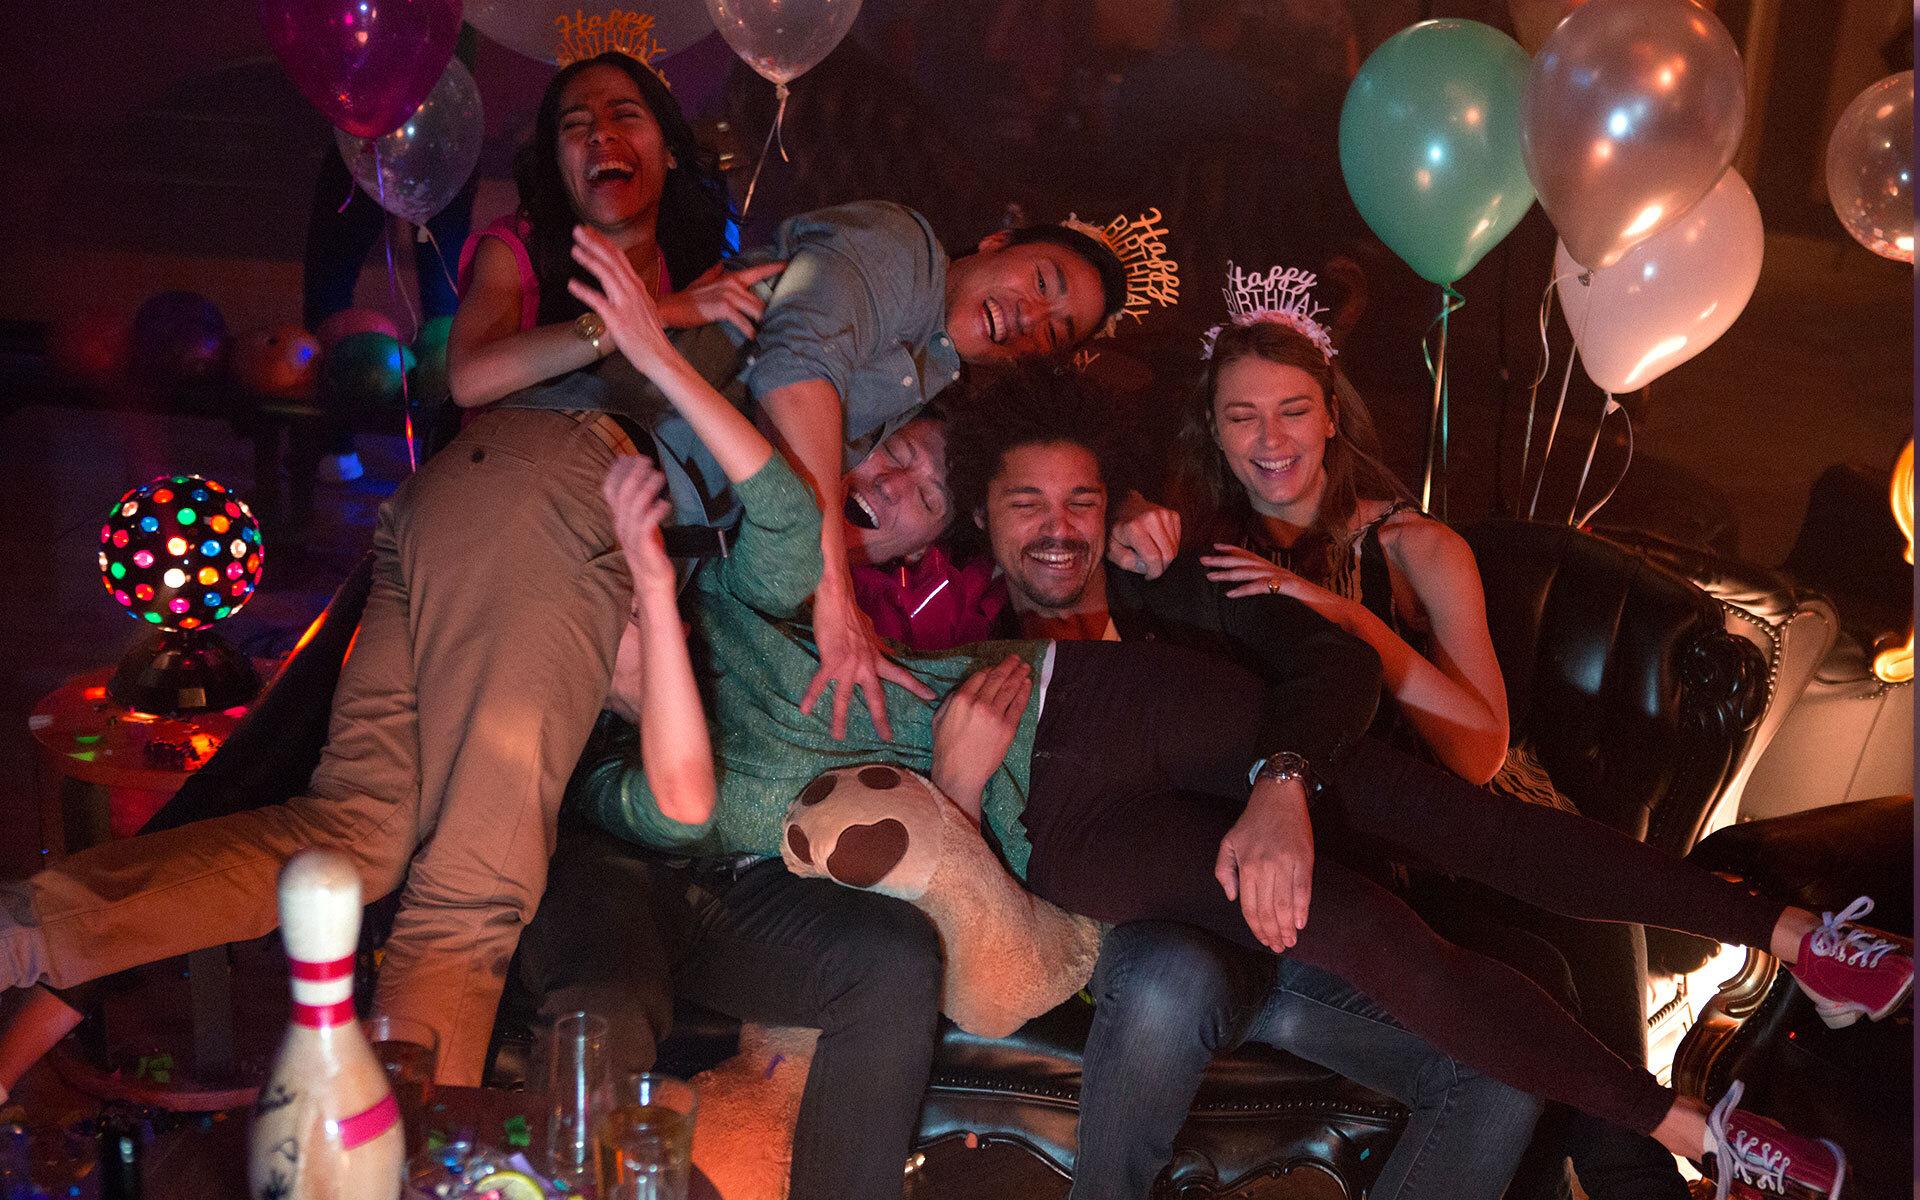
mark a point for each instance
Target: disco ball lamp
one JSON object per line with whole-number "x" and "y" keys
{"x": 179, "y": 554}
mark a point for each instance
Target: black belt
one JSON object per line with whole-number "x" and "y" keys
{"x": 694, "y": 541}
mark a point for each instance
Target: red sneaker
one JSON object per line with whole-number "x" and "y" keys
{"x": 1754, "y": 1157}
{"x": 1849, "y": 969}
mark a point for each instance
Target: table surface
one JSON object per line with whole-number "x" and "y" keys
{"x": 211, "y": 1163}
{"x": 96, "y": 740}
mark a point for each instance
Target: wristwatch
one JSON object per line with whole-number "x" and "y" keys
{"x": 1285, "y": 767}
{"x": 590, "y": 329}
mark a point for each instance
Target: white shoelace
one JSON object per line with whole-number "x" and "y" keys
{"x": 1751, "y": 1159}
{"x": 1851, "y": 946}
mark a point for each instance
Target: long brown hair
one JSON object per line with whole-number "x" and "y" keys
{"x": 1212, "y": 502}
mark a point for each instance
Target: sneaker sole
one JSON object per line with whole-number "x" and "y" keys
{"x": 1839, "y": 1015}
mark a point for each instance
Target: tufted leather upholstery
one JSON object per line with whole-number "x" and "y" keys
{"x": 1854, "y": 1085}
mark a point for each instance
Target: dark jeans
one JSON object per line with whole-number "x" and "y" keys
{"x": 1140, "y": 769}
{"x": 619, "y": 931}
{"x": 1168, "y": 997}
{"x": 1606, "y": 968}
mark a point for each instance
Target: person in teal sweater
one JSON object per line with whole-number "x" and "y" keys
{"x": 1152, "y": 781}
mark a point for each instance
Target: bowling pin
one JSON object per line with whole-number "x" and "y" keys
{"x": 325, "y": 1126}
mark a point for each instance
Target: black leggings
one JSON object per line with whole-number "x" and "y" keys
{"x": 1140, "y": 769}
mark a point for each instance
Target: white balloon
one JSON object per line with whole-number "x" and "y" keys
{"x": 419, "y": 168}
{"x": 1670, "y": 296}
{"x": 783, "y": 39}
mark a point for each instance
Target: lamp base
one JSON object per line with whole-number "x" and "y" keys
{"x": 170, "y": 672}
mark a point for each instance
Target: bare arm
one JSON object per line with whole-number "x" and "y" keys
{"x": 653, "y": 683}
{"x": 1458, "y": 700}
{"x": 488, "y": 354}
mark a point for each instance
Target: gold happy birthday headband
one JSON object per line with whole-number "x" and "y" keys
{"x": 620, "y": 32}
{"x": 1140, "y": 245}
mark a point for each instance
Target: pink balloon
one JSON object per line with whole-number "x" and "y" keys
{"x": 1670, "y": 296}
{"x": 365, "y": 64}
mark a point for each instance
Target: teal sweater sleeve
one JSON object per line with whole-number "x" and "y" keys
{"x": 774, "y": 563}
{"x": 614, "y": 795}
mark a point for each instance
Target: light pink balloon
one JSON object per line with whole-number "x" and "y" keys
{"x": 1670, "y": 296}
{"x": 783, "y": 39}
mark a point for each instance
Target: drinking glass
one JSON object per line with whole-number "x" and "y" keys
{"x": 410, "y": 1052}
{"x": 579, "y": 1081}
{"x": 643, "y": 1144}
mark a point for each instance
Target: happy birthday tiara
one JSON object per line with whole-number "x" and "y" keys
{"x": 1140, "y": 245}
{"x": 1279, "y": 296}
{"x": 619, "y": 32}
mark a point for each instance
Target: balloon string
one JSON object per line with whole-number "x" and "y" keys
{"x": 1553, "y": 428}
{"x": 1451, "y": 301}
{"x": 1613, "y": 407}
{"x": 440, "y": 257}
{"x": 413, "y": 321}
{"x": 1539, "y": 377}
{"x": 773, "y": 134}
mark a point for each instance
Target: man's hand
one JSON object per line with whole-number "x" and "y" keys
{"x": 852, "y": 656}
{"x": 1144, "y": 537}
{"x": 720, "y": 295}
{"x": 974, "y": 728}
{"x": 624, "y": 303}
{"x": 635, "y": 491}
{"x": 1266, "y": 862}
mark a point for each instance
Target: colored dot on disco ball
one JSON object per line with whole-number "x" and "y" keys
{"x": 210, "y": 549}
{"x": 221, "y": 612}
{"x": 149, "y": 524}
{"x": 250, "y": 533}
{"x": 106, "y": 531}
{"x": 118, "y": 570}
{"x": 211, "y": 599}
{"x": 179, "y": 478}
{"x": 152, "y": 616}
{"x": 174, "y": 578}
{"x": 143, "y": 592}
{"x": 123, "y": 598}
{"x": 103, "y": 560}
{"x": 239, "y": 589}
{"x": 187, "y": 516}
{"x": 120, "y": 539}
{"x": 189, "y": 622}
{"x": 235, "y": 570}
{"x": 207, "y": 576}
{"x": 233, "y": 510}
{"x": 238, "y": 547}
{"x": 200, "y": 494}
{"x": 163, "y": 496}
{"x": 253, "y": 562}
{"x": 143, "y": 559}
{"x": 129, "y": 508}
{"x": 218, "y": 523}
{"x": 176, "y": 546}
{"x": 216, "y": 485}
{"x": 179, "y": 604}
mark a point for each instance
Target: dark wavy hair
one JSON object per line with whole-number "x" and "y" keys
{"x": 1213, "y": 504}
{"x": 694, "y": 209}
{"x": 1027, "y": 404}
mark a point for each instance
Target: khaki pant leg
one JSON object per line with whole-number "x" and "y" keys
{"x": 519, "y": 593}
{"x": 125, "y": 903}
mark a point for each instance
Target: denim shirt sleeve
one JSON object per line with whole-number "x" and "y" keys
{"x": 861, "y": 281}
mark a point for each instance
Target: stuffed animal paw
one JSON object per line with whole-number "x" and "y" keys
{"x": 1010, "y": 955}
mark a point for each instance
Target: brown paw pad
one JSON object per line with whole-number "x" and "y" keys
{"x": 865, "y": 853}
{"x": 797, "y": 842}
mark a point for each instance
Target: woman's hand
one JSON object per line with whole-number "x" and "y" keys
{"x": 1255, "y": 576}
{"x": 853, "y": 657}
{"x": 720, "y": 295}
{"x": 635, "y": 491}
{"x": 624, "y": 303}
{"x": 1144, "y": 537}
{"x": 1266, "y": 862}
{"x": 974, "y": 728}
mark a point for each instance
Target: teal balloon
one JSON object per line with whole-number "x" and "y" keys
{"x": 429, "y": 380}
{"x": 365, "y": 370}
{"x": 1430, "y": 144}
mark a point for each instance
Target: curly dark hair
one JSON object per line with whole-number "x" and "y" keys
{"x": 694, "y": 209}
{"x": 1030, "y": 404}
